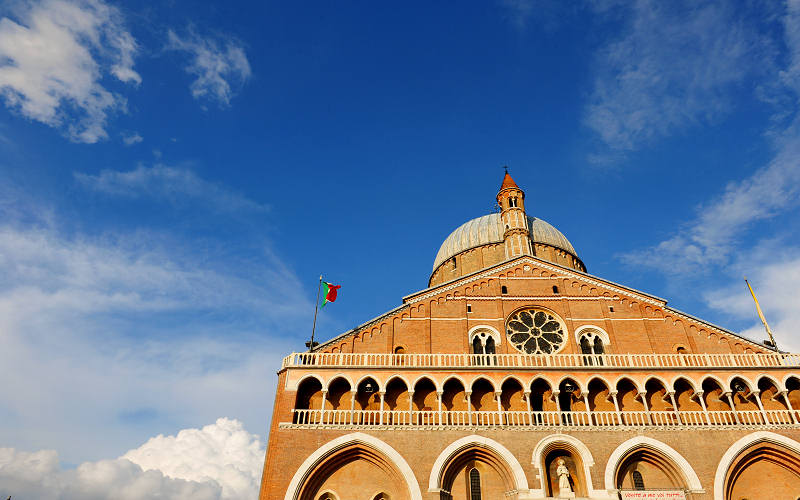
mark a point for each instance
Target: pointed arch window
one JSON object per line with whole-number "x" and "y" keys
{"x": 638, "y": 481}
{"x": 474, "y": 484}
{"x": 592, "y": 346}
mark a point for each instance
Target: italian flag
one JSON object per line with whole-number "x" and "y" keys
{"x": 329, "y": 292}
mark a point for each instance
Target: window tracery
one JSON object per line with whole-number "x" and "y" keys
{"x": 484, "y": 340}
{"x": 474, "y": 484}
{"x": 536, "y": 331}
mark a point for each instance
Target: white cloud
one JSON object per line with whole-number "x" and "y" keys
{"x": 675, "y": 65}
{"x": 775, "y": 284}
{"x": 121, "y": 334}
{"x": 711, "y": 237}
{"x": 53, "y": 58}
{"x": 221, "y": 461}
{"x": 131, "y": 139}
{"x": 164, "y": 182}
{"x": 223, "y": 452}
{"x": 218, "y": 66}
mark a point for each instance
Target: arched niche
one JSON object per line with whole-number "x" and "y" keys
{"x": 659, "y": 465}
{"x": 333, "y": 466}
{"x": 578, "y": 460}
{"x": 759, "y": 464}
{"x": 500, "y": 473}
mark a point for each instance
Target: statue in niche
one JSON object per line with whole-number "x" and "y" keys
{"x": 564, "y": 487}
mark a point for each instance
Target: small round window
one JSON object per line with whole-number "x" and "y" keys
{"x": 536, "y": 331}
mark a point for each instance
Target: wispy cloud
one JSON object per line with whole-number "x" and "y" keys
{"x": 53, "y": 56}
{"x": 131, "y": 138}
{"x": 168, "y": 183}
{"x": 219, "y": 66}
{"x": 712, "y": 235}
{"x": 547, "y": 13}
{"x": 97, "y": 329}
{"x": 221, "y": 461}
{"x": 675, "y": 65}
{"x": 775, "y": 282}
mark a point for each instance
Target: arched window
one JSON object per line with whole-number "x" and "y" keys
{"x": 477, "y": 345}
{"x": 489, "y": 349}
{"x": 592, "y": 345}
{"x": 504, "y": 289}
{"x": 381, "y": 496}
{"x": 638, "y": 481}
{"x": 474, "y": 484}
{"x": 327, "y": 496}
{"x": 483, "y": 342}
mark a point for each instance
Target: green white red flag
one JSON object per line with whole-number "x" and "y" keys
{"x": 329, "y": 292}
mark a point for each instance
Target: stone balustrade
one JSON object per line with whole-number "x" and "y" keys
{"x": 533, "y": 419}
{"x": 540, "y": 361}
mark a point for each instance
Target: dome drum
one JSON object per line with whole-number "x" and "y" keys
{"x": 487, "y": 234}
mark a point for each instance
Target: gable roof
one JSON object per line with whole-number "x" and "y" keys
{"x": 564, "y": 271}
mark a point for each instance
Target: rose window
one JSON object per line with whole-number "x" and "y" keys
{"x": 535, "y": 331}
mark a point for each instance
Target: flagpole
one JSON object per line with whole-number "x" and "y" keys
{"x": 316, "y": 308}
{"x": 761, "y": 316}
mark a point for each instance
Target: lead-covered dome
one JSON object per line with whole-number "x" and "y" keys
{"x": 488, "y": 230}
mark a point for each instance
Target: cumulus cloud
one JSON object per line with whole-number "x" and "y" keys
{"x": 219, "y": 66}
{"x": 39, "y": 475}
{"x": 771, "y": 190}
{"x": 164, "y": 182}
{"x": 675, "y": 65}
{"x": 224, "y": 453}
{"x": 53, "y": 56}
{"x": 221, "y": 461}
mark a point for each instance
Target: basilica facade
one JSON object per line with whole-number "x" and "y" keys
{"x": 516, "y": 374}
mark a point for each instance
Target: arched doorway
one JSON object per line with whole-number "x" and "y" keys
{"x": 477, "y": 468}
{"x": 644, "y": 463}
{"x": 768, "y": 463}
{"x": 647, "y": 469}
{"x": 354, "y": 466}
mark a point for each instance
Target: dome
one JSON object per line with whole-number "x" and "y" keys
{"x": 489, "y": 229}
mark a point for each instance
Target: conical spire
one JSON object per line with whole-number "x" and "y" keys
{"x": 508, "y": 182}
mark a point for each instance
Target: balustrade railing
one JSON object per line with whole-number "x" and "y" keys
{"x": 427, "y": 418}
{"x": 541, "y": 361}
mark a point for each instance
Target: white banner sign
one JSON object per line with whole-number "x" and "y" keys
{"x": 653, "y": 495}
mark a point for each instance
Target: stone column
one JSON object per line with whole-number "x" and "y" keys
{"x": 671, "y": 395}
{"x": 789, "y": 405}
{"x": 699, "y": 396}
{"x": 643, "y": 396}
{"x": 439, "y": 402}
{"x": 733, "y": 407}
{"x": 382, "y": 394}
{"x": 613, "y": 395}
{"x": 497, "y": 396}
{"x": 558, "y": 406}
{"x": 469, "y": 406}
{"x": 410, "y": 407}
{"x": 757, "y": 395}
{"x": 322, "y": 406}
{"x": 352, "y": 407}
{"x": 588, "y": 413}
{"x": 527, "y": 396}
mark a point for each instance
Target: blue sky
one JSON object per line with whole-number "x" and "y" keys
{"x": 174, "y": 176}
